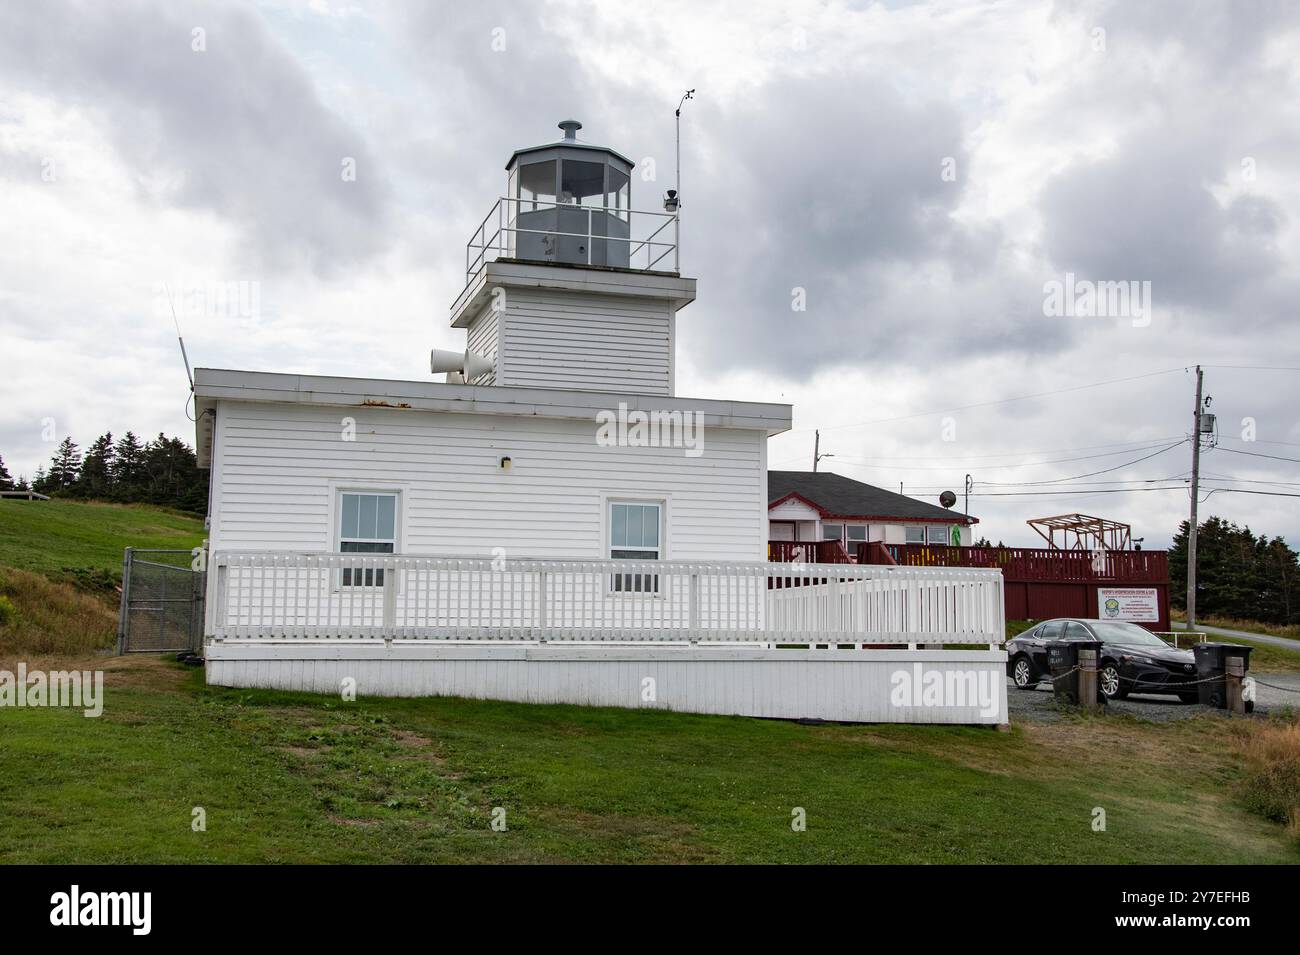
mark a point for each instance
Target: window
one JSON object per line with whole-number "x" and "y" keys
{"x": 367, "y": 525}
{"x": 832, "y": 532}
{"x": 916, "y": 535}
{"x": 537, "y": 186}
{"x": 855, "y": 534}
{"x": 634, "y": 535}
{"x": 939, "y": 534}
{"x": 1051, "y": 630}
{"x": 1076, "y": 631}
{"x": 582, "y": 183}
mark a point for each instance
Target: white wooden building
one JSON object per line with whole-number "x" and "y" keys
{"x": 551, "y": 522}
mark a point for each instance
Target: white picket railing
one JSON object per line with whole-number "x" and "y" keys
{"x": 320, "y": 595}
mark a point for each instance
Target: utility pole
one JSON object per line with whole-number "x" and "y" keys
{"x": 817, "y": 455}
{"x": 1196, "y": 491}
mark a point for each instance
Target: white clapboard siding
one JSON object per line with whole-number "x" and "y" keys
{"x": 279, "y": 467}
{"x": 830, "y": 684}
{"x": 559, "y": 338}
{"x": 483, "y": 338}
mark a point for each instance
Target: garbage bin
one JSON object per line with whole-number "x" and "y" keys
{"x": 1210, "y": 667}
{"x": 1063, "y": 662}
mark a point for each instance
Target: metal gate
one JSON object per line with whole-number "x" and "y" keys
{"x": 162, "y": 602}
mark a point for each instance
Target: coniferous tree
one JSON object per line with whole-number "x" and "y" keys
{"x": 6, "y": 481}
{"x": 128, "y": 469}
{"x": 65, "y": 465}
{"x": 97, "y": 469}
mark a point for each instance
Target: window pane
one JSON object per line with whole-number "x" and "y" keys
{"x": 857, "y": 533}
{"x": 916, "y": 535}
{"x": 387, "y": 517}
{"x": 832, "y": 532}
{"x": 369, "y": 506}
{"x": 365, "y": 547}
{"x": 617, "y": 196}
{"x": 348, "y": 528}
{"x": 582, "y": 183}
{"x": 649, "y": 526}
{"x": 618, "y": 525}
{"x": 537, "y": 181}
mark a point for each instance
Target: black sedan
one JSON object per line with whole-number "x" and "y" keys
{"x": 1133, "y": 659}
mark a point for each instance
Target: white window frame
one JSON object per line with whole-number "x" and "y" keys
{"x": 335, "y": 545}
{"x": 607, "y": 502}
{"x": 944, "y": 531}
{"x": 907, "y": 533}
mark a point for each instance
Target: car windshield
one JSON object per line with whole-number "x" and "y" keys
{"x": 1126, "y": 633}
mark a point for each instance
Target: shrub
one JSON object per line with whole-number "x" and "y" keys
{"x": 1272, "y": 752}
{"x": 8, "y": 612}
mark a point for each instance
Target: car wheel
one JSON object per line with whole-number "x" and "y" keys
{"x": 1023, "y": 675}
{"x": 1109, "y": 682}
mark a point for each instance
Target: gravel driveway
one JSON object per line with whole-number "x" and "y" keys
{"x": 1040, "y": 705}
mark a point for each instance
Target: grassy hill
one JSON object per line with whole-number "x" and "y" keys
{"x": 53, "y": 537}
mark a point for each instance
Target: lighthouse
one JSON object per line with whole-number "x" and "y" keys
{"x": 567, "y": 285}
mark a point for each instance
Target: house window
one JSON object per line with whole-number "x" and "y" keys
{"x": 833, "y": 532}
{"x": 857, "y": 534}
{"x": 634, "y": 534}
{"x": 939, "y": 534}
{"x": 916, "y": 535}
{"x": 367, "y": 525}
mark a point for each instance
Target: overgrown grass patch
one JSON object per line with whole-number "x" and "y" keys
{"x": 48, "y": 617}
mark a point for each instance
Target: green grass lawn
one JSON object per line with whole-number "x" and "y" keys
{"x": 299, "y": 778}
{"x": 50, "y": 537}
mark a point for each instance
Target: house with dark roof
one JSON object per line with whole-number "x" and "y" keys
{"x": 817, "y": 506}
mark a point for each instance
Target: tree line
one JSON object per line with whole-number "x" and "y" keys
{"x": 163, "y": 471}
{"x": 1238, "y": 575}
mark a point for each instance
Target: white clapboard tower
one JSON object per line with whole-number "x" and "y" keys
{"x": 566, "y": 285}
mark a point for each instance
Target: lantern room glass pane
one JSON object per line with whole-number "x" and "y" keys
{"x": 536, "y": 185}
{"x": 618, "y": 195}
{"x": 582, "y": 183}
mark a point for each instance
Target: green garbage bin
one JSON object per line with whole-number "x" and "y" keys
{"x": 1211, "y": 664}
{"x": 1063, "y": 662}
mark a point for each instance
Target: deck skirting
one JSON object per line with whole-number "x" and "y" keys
{"x": 867, "y": 686}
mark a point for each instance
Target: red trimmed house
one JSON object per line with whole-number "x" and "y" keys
{"x": 807, "y": 506}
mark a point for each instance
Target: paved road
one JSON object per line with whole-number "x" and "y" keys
{"x": 1284, "y": 642}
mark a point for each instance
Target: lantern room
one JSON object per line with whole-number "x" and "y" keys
{"x": 569, "y": 202}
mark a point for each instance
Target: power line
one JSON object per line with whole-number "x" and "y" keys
{"x": 1256, "y": 454}
{"x": 1089, "y": 474}
{"x": 1125, "y": 445}
{"x": 997, "y": 401}
{"x": 996, "y": 467}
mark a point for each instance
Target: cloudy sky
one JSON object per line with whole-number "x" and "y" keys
{"x": 916, "y": 176}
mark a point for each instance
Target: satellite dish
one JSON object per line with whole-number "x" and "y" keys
{"x": 947, "y": 499}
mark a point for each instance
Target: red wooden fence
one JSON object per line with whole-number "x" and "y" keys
{"x": 1039, "y": 582}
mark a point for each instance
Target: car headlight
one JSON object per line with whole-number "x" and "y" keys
{"x": 1134, "y": 658}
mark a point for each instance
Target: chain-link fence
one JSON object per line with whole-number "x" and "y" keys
{"x": 162, "y": 602}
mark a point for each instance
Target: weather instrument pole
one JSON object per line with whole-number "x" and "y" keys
{"x": 674, "y": 200}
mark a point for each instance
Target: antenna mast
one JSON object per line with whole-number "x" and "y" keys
{"x": 675, "y": 197}
{"x": 184, "y": 357}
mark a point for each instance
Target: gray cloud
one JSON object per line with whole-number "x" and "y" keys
{"x": 238, "y": 129}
